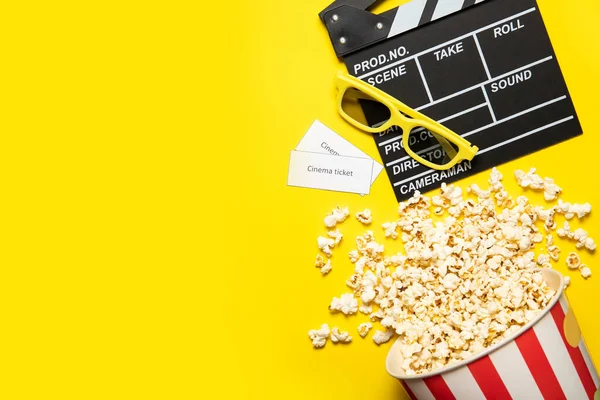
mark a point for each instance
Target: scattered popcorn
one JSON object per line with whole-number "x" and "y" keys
{"x": 571, "y": 210}
{"x": 365, "y": 309}
{"x": 567, "y": 281}
{"x": 338, "y": 215}
{"x": 325, "y": 245}
{"x": 463, "y": 282}
{"x": 364, "y": 217}
{"x": 340, "y": 337}
{"x": 363, "y": 329}
{"x": 543, "y": 259}
{"x": 494, "y": 181}
{"x": 554, "y": 252}
{"x": 325, "y": 266}
{"x": 573, "y": 261}
{"x": 319, "y": 336}
{"x": 481, "y": 194}
{"x": 381, "y": 337}
{"x": 336, "y": 236}
{"x": 551, "y": 190}
{"x": 347, "y": 304}
{"x": 325, "y": 269}
{"x": 585, "y": 271}
{"x": 529, "y": 179}
{"x": 390, "y": 229}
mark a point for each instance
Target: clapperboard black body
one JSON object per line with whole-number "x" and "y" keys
{"x": 485, "y": 69}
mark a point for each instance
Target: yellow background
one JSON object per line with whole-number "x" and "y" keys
{"x": 151, "y": 247}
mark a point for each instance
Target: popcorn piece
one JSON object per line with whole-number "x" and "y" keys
{"x": 567, "y": 281}
{"x": 354, "y": 256}
{"x": 438, "y": 211}
{"x": 529, "y": 179}
{"x": 481, "y": 194}
{"x": 571, "y": 210}
{"x": 585, "y": 271}
{"x": 551, "y": 190}
{"x": 325, "y": 269}
{"x": 366, "y": 309}
{"x": 340, "y": 337}
{"x": 554, "y": 252}
{"x": 573, "y": 261}
{"x": 338, "y": 215}
{"x": 324, "y": 266}
{"x": 319, "y": 336}
{"x": 364, "y": 217}
{"x": 363, "y": 329}
{"x": 390, "y": 229}
{"x": 381, "y": 337}
{"x": 325, "y": 245}
{"x": 495, "y": 181}
{"x": 347, "y": 304}
{"x": 543, "y": 259}
{"x": 451, "y": 193}
{"x": 336, "y": 236}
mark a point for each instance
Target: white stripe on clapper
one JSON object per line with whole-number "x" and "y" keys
{"x": 515, "y": 374}
{"x": 446, "y": 7}
{"x": 463, "y": 385}
{"x": 407, "y": 17}
{"x": 420, "y": 389}
{"x": 558, "y": 356}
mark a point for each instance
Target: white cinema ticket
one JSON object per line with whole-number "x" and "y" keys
{"x": 329, "y": 172}
{"x": 321, "y": 139}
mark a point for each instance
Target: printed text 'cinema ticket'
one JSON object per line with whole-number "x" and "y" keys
{"x": 329, "y": 172}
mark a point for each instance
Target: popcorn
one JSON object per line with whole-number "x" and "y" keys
{"x": 481, "y": 194}
{"x": 543, "y": 259}
{"x": 585, "y": 271}
{"x": 554, "y": 252}
{"x": 494, "y": 181}
{"x": 347, "y": 304}
{"x": 551, "y": 190}
{"x": 338, "y": 215}
{"x": 325, "y": 269}
{"x": 366, "y": 309}
{"x": 567, "y": 281}
{"x": 529, "y": 179}
{"x": 324, "y": 266}
{"x": 340, "y": 337}
{"x": 336, "y": 236}
{"x": 325, "y": 245}
{"x": 534, "y": 181}
{"x": 464, "y": 282}
{"x": 571, "y": 210}
{"x": 381, "y": 337}
{"x": 319, "y": 336}
{"x": 390, "y": 229}
{"x": 573, "y": 261}
{"x": 364, "y": 217}
{"x": 363, "y": 329}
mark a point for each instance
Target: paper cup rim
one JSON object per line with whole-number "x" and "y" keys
{"x": 559, "y": 292}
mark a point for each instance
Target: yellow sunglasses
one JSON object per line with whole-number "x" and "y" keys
{"x": 427, "y": 141}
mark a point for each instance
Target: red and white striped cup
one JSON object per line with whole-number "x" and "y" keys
{"x": 547, "y": 359}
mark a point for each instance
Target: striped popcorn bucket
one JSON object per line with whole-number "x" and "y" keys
{"x": 547, "y": 359}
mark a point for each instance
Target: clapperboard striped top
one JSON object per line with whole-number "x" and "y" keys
{"x": 420, "y": 12}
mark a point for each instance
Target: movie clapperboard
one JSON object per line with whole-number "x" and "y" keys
{"x": 484, "y": 68}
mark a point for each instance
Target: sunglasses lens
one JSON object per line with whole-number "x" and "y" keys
{"x": 431, "y": 147}
{"x": 358, "y": 105}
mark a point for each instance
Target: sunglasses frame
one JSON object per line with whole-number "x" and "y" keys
{"x": 466, "y": 151}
